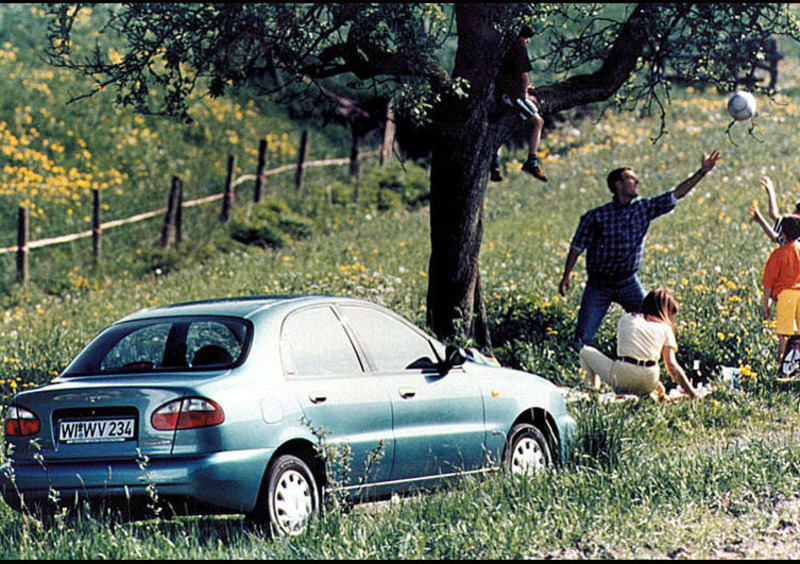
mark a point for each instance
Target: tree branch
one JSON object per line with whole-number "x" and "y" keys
{"x": 616, "y": 70}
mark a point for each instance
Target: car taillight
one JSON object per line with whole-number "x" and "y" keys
{"x": 21, "y": 423}
{"x": 190, "y": 413}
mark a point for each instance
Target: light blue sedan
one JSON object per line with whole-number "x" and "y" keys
{"x": 240, "y": 406}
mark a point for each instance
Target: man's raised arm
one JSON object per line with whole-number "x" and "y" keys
{"x": 708, "y": 164}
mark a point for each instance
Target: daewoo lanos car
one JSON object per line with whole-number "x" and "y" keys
{"x": 221, "y": 406}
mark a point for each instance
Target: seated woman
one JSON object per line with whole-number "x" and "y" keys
{"x": 642, "y": 338}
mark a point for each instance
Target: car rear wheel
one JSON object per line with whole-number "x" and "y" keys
{"x": 527, "y": 452}
{"x": 292, "y": 496}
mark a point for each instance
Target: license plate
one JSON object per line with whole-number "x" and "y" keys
{"x": 96, "y": 431}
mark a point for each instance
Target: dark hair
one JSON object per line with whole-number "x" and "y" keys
{"x": 790, "y": 228}
{"x": 614, "y": 177}
{"x": 797, "y": 207}
{"x": 526, "y": 32}
{"x": 661, "y": 305}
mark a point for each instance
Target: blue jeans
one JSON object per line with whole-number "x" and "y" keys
{"x": 598, "y": 297}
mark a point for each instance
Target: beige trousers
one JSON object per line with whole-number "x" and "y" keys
{"x": 624, "y": 378}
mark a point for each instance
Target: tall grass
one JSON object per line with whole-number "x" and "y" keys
{"x": 651, "y": 501}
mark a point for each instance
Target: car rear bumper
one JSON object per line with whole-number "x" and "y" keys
{"x": 229, "y": 481}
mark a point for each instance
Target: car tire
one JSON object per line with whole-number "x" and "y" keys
{"x": 293, "y": 497}
{"x": 527, "y": 451}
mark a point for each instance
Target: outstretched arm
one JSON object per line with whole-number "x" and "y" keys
{"x": 769, "y": 188}
{"x": 756, "y": 216}
{"x": 708, "y": 164}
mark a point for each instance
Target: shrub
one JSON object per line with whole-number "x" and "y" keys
{"x": 406, "y": 184}
{"x": 268, "y": 225}
{"x": 392, "y": 187}
{"x": 158, "y": 261}
{"x": 535, "y": 337}
{"x": 521, "y": 318}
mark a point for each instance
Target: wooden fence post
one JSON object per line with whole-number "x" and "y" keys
{"x": 301, "y": 161}
{"x": 171, "y": 235}
{"x": 229, "y": 196}
{"x": 389, "y": 132}
{"x": 179, "y": 214}
{"x": 97, "y": 229}
{"x": 354, "y": 168}
{"x": 262, "y": 165}
{"x": 23, "y": 226}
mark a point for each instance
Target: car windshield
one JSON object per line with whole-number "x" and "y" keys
{"x": 156, "y": 345}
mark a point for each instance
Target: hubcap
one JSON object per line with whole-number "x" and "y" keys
{"x": 528, "y": 457}
{"x": 293, "y": 502}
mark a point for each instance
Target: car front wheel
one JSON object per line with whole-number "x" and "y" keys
{"x": 292, "y": 496}
{"x": 527, "y": 451}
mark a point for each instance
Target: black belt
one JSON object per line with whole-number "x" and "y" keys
{"x": 637, "y": 362}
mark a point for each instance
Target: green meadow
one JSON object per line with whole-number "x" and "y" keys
{"x": 716, "y": 477}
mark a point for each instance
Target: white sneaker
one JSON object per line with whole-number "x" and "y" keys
{"x": 527, "y": 106}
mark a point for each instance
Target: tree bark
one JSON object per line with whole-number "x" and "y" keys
{"x": 463, "y": 149}
{"x": 458, "y": 184}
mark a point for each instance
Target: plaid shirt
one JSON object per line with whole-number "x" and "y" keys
{"x": 614, "y": 235}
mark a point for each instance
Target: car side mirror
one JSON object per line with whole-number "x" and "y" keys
{"x": 422, "y": 364}
{"x": 454, "y": 356}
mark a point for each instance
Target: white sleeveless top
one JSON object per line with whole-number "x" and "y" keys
{"x": 642, "y": 339}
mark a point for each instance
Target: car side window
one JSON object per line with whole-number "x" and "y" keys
{"x": 314, "y": 343}
{"x": 212, "y": 343}
{"x": 392, "y": 345}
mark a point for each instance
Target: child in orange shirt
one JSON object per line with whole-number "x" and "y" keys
{"x": 781, "y": 282}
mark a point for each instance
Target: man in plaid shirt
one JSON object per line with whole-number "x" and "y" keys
{"x": 613, "y": 237}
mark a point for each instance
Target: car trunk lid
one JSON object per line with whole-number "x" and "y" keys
{"x": 94, "y": 420}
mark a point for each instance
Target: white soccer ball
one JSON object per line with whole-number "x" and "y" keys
{"x": 742, "y": 106}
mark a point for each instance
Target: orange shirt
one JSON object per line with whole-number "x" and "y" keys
{"x": 782, "y": 271}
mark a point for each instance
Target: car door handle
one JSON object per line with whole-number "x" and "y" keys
{"x": 317, "y": 398}
{"x": 407, "y": 393}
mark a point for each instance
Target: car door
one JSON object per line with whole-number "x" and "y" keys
{"x": 345, "y": 406}
{"x": 438, "y": 418}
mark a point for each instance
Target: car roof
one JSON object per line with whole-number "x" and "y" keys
{"x": 243, "y": 307}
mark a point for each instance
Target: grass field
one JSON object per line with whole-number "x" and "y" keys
{"x": 694, "y": 479}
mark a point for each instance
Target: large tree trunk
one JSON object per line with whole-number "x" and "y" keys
{"x": 464, "y": 144}
{"x": 458, "y": 182}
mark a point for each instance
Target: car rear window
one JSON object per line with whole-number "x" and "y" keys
{"x": 157, "y": 345}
